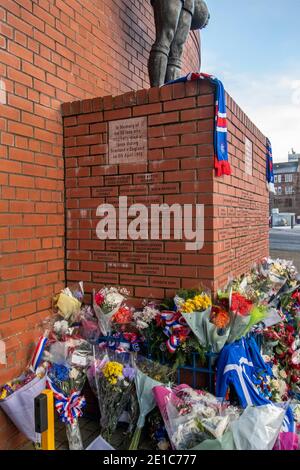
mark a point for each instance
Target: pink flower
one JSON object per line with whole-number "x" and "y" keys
{"x": 99, "y": 298}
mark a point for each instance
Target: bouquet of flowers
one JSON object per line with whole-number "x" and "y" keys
{"x": 146, "y": 316}
{"x": 202, "y": 318}
{"x": 17, "y": 399}
{"x": 68, "y": 302}
{"x": 243, "y": 314}
{"x": 106, "y": 303}
{"x": 112, "y": 378}
{"x": 66, "y": 383}
{"x": 148, "y": 375}
{"x": 66, "y": 377}
{"x": 193, "y": 416}
{"x": 89, "y": 324}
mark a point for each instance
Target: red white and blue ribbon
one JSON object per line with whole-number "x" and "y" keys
{"x": 221, "y": 163}
{"x": 175, "y": 328}
{"x": 69, "y": 408}
{"x": 38, "y": 353}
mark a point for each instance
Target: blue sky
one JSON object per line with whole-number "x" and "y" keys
{"x": 254, "y": 47}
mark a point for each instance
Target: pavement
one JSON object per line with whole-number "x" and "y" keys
{"x": 90, "y": 430}
{"x": 285, "y": 244}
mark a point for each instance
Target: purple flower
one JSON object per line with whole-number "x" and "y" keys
{"x": 128, "y": 372}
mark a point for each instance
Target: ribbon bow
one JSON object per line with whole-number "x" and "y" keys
{"x": 69, "y": 408}
{"x": 175, "y": 328}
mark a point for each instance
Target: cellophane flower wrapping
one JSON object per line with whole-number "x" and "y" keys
{"x": 196, "y": 311}
{"x": 290, "y": 440}
{"x": 258, "y": 427}
{"x": 149, "y": 374}
{"x": 19, "y": 405}
{"x": 193, "y": 416}
{"x": 112, "y": 378}
{"x": 89, "y": 324}
{"x": 66, "y": 378}
{"x": 106, "y": 303}
{"x": 68, "y": 302}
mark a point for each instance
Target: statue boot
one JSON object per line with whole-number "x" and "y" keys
{"x": 157, "y": 65}
{"x": 173, "y": 69}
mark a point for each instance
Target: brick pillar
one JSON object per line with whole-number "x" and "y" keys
{"x": 178, "y": 169}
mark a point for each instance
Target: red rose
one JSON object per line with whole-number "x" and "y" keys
{"x": 240, "y": 305}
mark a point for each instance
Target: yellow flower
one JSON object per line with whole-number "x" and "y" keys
{"x": 112, "y": 371}
{"x": 198, "y": 304}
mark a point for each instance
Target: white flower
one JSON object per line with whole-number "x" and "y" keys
{"x": 60, "y": 327}
{"x": 275, "y": 371}
{"x": 266, "y": 358}
{"x": 296, "y": 357}
{"x": 141, "y": 324}
{"x": 283, "y": 374}
{"x": 73, "y": 374}
{"x": 114, "y": 298}
{"x": 145, "y": 317}
{"x": 275, "y": 384}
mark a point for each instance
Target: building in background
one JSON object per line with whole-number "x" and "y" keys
{"x": 293, "y": 156}
{"x": 287, "y": 187}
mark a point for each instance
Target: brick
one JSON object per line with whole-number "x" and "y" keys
{"x": 180, "y": 152}
{"x": 179, "y": 104}
{"x": 163, "y": 142}
{"x": 149, "y": 292}
{"x": 147, "y": 109}
{"x": 198, "y": 113}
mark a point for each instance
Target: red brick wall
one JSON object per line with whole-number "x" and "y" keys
{"x": 241, "y": 202}
{"x": 52, "y": 51}
{"x": 179, "y": 169}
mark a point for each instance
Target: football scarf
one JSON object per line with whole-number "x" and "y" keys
{"x": 221, "y": 163}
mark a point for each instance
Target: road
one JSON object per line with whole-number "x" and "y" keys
{"x": 285, "y": 239}
{"x": 285, "y": 244}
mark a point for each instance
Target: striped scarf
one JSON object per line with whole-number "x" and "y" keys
{"x": 221, "y": 163}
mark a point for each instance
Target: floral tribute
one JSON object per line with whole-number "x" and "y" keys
{"x": 119, "y": 349}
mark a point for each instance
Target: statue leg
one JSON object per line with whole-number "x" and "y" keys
{"x": 166, "y": 15}
{"x": 176, "y": 49}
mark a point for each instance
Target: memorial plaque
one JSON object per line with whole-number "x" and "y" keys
{"x": 150, "y": 269}
{"x": 104, "y": 256}
{"x": 148, "y": 178}
{"x": 117, "y": 180}
{"x": 128, "y": 140}
{"x": 165, "y": 188}
{"x": 165, "y": 258}
{"x": 109, "y": 191}
{"x": 105, "y": 278}
{"x": 134, "y": 258}
{"x": 148, "y": 246}
{"x": 248, "y": 157}
{"x": 133, "y": 280}
{"x": 165, "y": 282}
{"x": 120, "y": 268}
{"x": 116, "y": 245}
{"x": 147, "y": 200}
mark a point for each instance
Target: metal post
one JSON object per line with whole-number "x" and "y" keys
{"x": 44, "y": 419}
{"x": 48, "y": 442}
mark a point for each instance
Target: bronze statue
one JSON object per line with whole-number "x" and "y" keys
{"x": 173, "y": 21}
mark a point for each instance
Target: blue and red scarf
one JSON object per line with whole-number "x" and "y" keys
{"x": 270, "y": 171}
{"x": 221, "y": 163}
